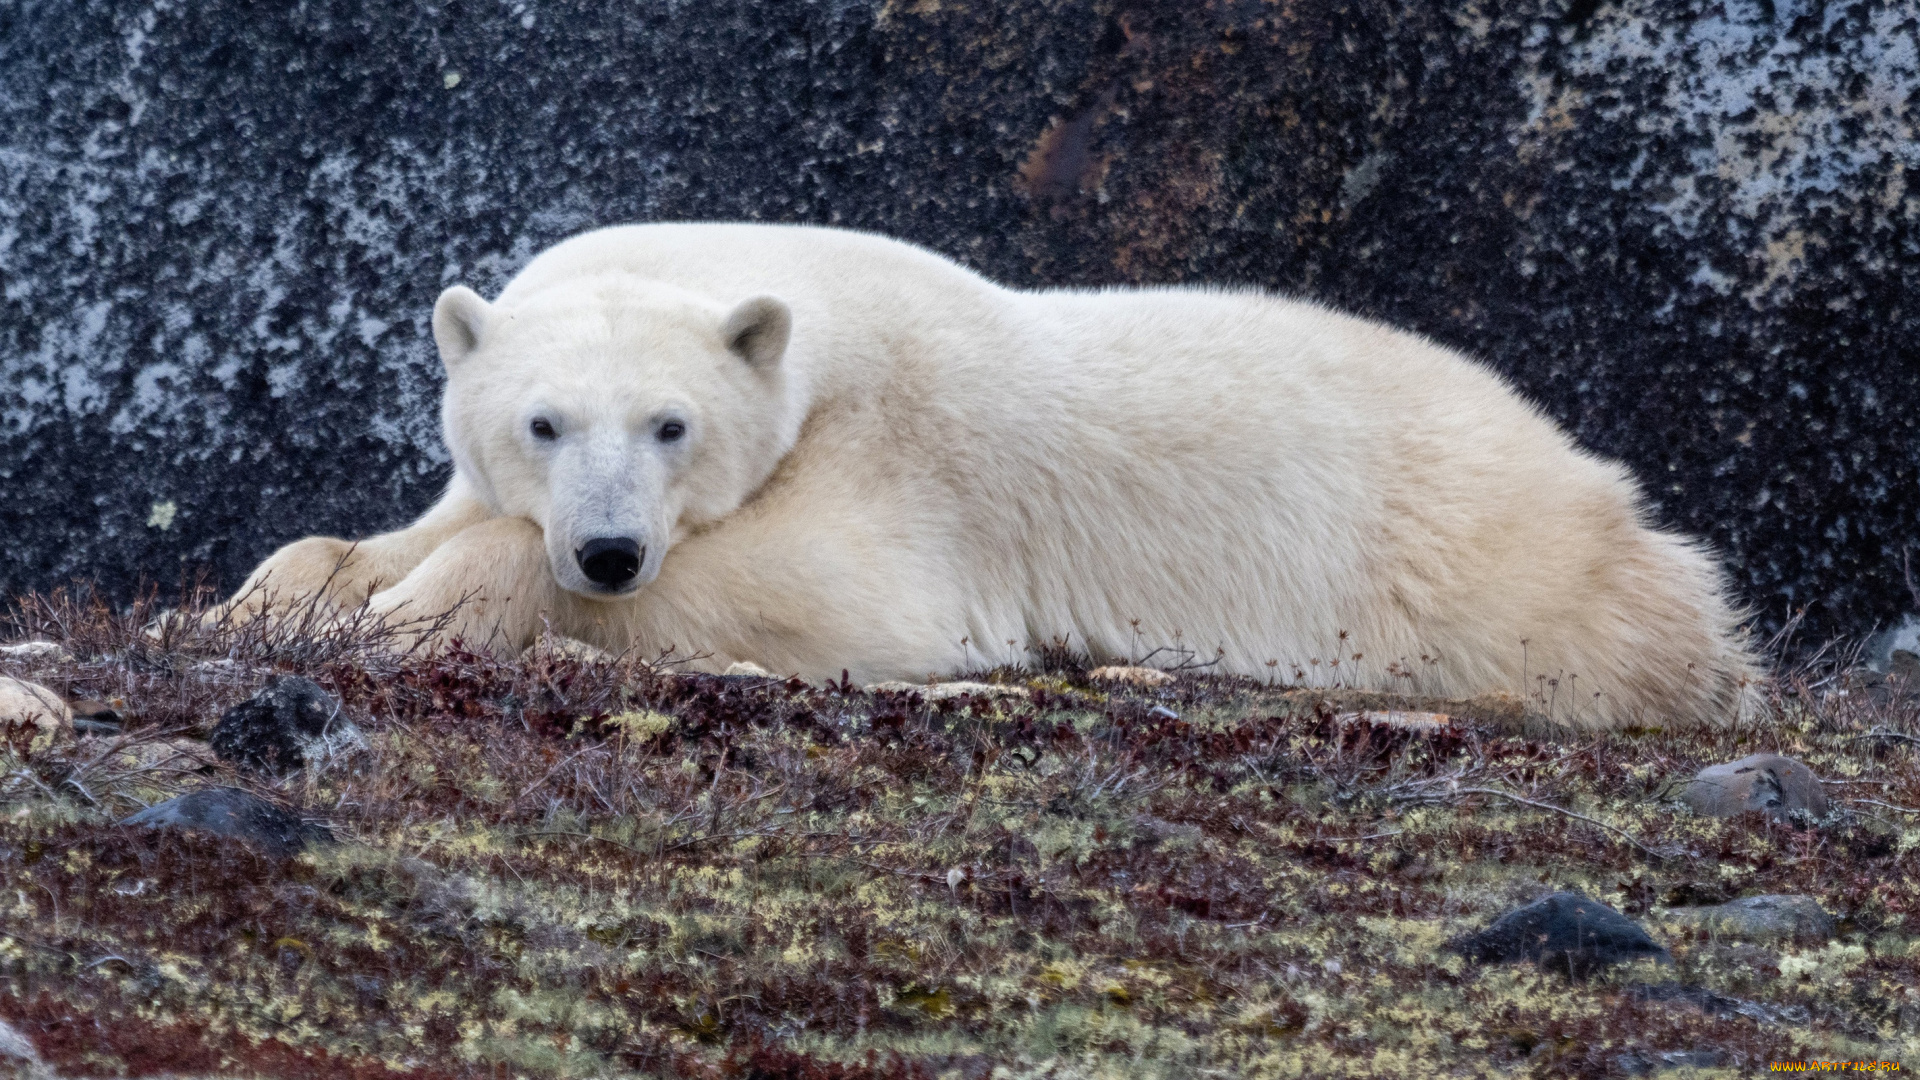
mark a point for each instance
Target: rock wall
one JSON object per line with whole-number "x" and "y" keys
{"x": 1687, "y": 229}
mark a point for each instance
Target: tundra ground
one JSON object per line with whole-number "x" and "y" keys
{"x": 568, "y": 866}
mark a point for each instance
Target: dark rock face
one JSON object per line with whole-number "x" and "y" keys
{"x": 274, "y": 729}
{"x": 1689, "y": 231}
{"x": 1564, "y": 932}
{"x": 232, "y": 812}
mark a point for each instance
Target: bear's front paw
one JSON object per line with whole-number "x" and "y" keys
{"x": 418, "y": 616}
{"x": 318, "y": 576}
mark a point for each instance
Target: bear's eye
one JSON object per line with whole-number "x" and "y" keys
{"x": 543, "y": 429}
{"x": 672, "y": 431}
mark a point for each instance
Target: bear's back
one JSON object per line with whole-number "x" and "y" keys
{"x": 729, "y": 261}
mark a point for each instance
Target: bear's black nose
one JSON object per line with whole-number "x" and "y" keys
{"x": 610, "y": 561}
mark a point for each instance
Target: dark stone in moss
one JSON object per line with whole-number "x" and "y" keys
{"x": 1698, "y": 894}
{"x": 1564, "y": 932}
{"x": 235, "y": 813}
{"x": 274, "y": 729}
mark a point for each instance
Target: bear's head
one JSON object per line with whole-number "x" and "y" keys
{"x": 616, "y": 413}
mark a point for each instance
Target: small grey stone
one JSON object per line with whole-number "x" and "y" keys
{"x": 1761, "y": 918}
{"x": 18, "y": 1057}
{"x": 222, "y": 669}
{"x": 1775, "y": 785}
{"x": 945, "y": 690}
{"x": 290, "y": 723}
{"x": 1564, "y": 932}
{"x": 16, "y": 1046}
{"x": 1153, "y": 830}
{"x": 36, "y": 652}
{"x": 231, "y": 812}
{"x": 1717, "y": 1005}
{"x": 1642, "y": 1062}
{"x": 1130, "y": 675}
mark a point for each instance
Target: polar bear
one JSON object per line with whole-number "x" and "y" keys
{"x": 821, "y": 450}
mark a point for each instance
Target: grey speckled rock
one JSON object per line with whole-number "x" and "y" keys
{"x": 945, "y": 691}
{"x": 38, "y": 653}
{"x": 289, "y": 723}
{"x": 1774, "y": 785}
{"x": 1644, "y": 1062}
{"x": 19, "y": 1049}
{"x": 1714, "y": 1004}
{"x": 1688, "y": 231}
{"x": 1564, "y": 932}
{"x": 1761, "y": 918}
{"x": 235, "y": 813}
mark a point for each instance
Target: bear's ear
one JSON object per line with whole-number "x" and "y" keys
{"x": 459, "y": 317}
{"x": 758, "y": 330}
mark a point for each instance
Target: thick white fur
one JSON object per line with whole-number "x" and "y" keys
{"x": 935, "y": 466}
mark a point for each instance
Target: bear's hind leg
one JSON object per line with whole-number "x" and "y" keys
{"x": 489, "y": 587}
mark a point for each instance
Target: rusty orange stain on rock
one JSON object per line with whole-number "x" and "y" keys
{"x": 1062, "y": 162}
